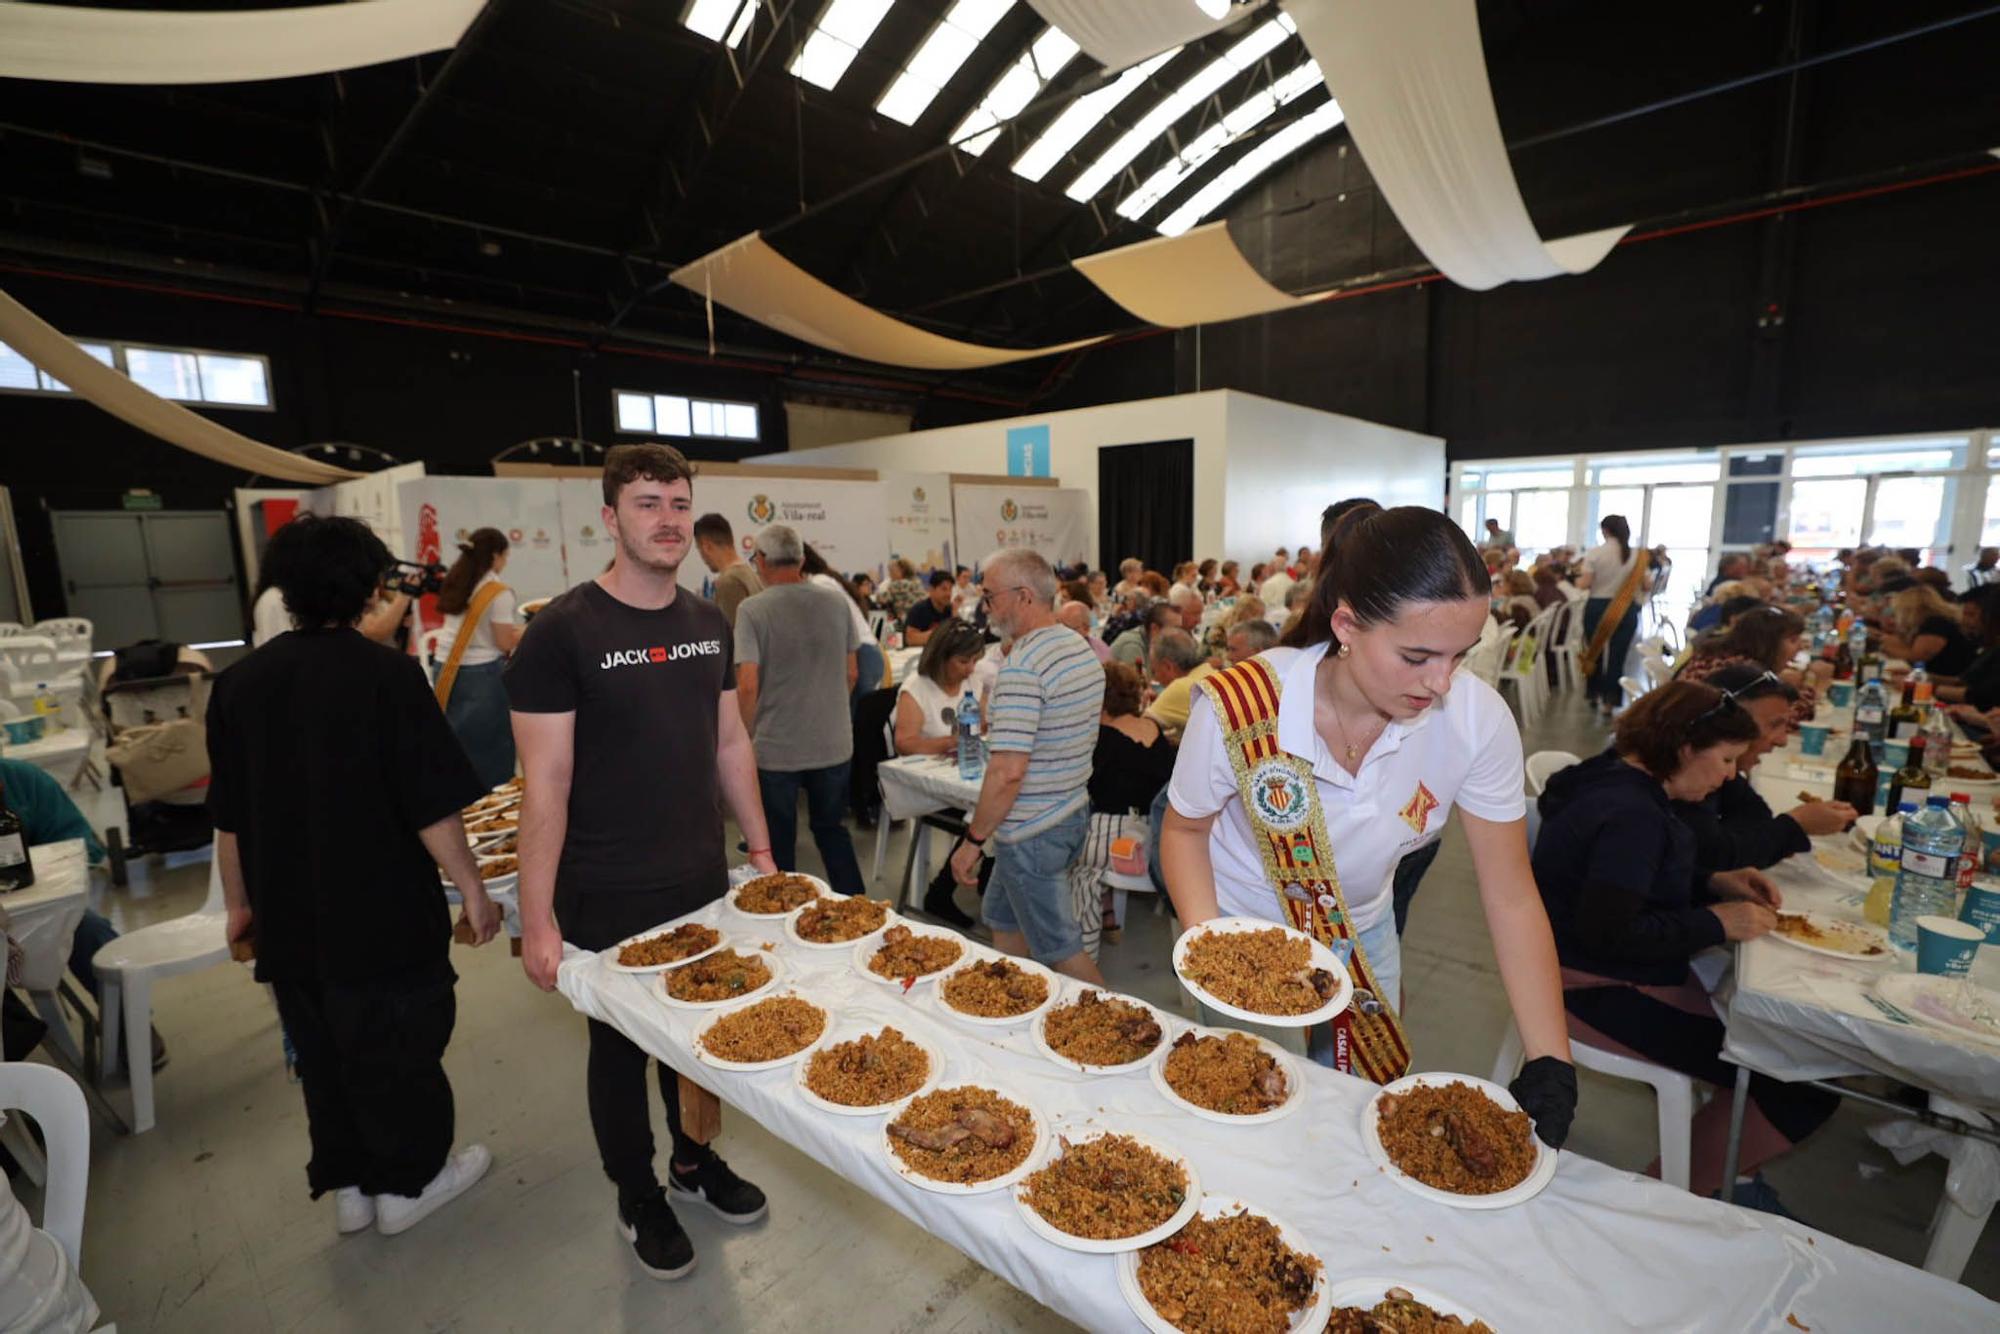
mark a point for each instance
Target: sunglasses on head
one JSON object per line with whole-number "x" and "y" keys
{"x": 1732, "y": 700}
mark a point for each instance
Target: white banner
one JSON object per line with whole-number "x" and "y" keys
{"x": 438, "y": 513}
{"x": 919, "y": 515}
{"x": 587, "y": 543}
{"x": 1056, "y": 521}
{"x": 844, "y": 521}
{"x": 373, "y": 500}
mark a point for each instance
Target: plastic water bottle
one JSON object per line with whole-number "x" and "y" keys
{"x": 48, "y": 708}
{"x": 1975, "y": 850}
{"x": 1937, "y": 743}
{"x": 1871, "y": 712}
{"x": 1927, "y": 883}
{"x": 1885, "y": 854}
{"x": 971, "y": 746}
{"x": 1920, "y": 688}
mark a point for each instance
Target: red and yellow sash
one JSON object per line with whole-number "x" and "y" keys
{"x": 1282, "y": 802}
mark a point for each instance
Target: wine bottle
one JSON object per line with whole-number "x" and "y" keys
{"x": 1905, "y": 719}
{"x": 1912, "y": 777}
{"x": 17, "y": 864}
{"x": 1854, "y": 781}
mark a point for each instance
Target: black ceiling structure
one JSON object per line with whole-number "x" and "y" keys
{"x": 549, "y": 172}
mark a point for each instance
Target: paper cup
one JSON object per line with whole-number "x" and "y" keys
{"x": 1840, "y": 694}
{"x": 1982, "y": 909}
{"x": 1812, "y": 739}
{"x": 1945, "y": 945}
{"x": 1895, "y": 754}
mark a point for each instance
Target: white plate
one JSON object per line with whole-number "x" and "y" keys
{"x": 1539, "y": 1176}
{"x": 1825, "y": 923}
{"x": 1001, "y": 1182}
{"x": 1366, "y": 1292}
{"x": 703, "y": 1054}
{"x": 1294, "y": 1089}
{"x": 1048, "y": 1231}
{"x": 841, "y": 1108}
{"x": 825, "y": 892}
{"x": 1321, "y": 957}
{"x": 1864, "y": 829}
{"x": 611, "y": 955}
{"x": 1042, "y": 1040}
{"x": 1308, "y": 1320}
{"x": 792, "y": 931}
{"x": 1916, "y": 994}
{"x": 944, "y": 1007}
{"x": 864, "y": 950}
{"x": 771, "y": 961}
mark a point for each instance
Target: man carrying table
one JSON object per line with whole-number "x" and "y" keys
{"x": 625, "y": 716}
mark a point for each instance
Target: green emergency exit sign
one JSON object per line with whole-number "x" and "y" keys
{"x": 140, "y": 500}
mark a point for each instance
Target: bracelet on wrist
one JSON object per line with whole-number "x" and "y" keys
{"x": 976, "y": 840}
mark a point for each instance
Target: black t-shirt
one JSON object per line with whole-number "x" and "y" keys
{"x": 1126, "y": 776}
{"x": 327, "y": 754}
{"x": 1958, "y": 651}
{"x": 645, "y": 810}
{"x": 924, "y": 616}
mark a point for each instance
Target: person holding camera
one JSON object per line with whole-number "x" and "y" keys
{"x": 336, "y": 788}
{"x": 479, "y": 633}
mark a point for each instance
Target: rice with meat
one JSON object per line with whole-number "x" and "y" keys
{"x": 496, "y": 867}
{"x": 720, "y": 976}
{"x": 835, "y": 921}
{"x": 1233, "y": 1074}
{"x": 906, "y": 954}
{"x": 491, "y": 824}
{"x": 772, "y": 894}
{"x": 1227, "y": 1275}
{"x": 1453, "y": 1137}
{"x": 1400, "y": 1313}
{"x": 869, "y": 1071}
{"x": 1096, "y": 1029}
{"x": 684, "y": 941}
{"x": 997, "y": 989}
{"x": 769, "y": 1030}
{"x": 963, "y": 1135}
{"x": 1108, "y": 1188}
{"x": 1264, "y": 972}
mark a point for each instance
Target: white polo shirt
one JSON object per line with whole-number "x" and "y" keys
{"x": 1464, "y": 750}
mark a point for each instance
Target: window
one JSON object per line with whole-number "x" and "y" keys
{"x": 1234, "y": 125}
{"x": 1082, "y": 116}
{"x": 949, "y": 45}
{"x": 1237, "y": 177}
{"x": 1016, "y": 88}
{"x": 843, "y": 29}
{"x": 725, "y": 21}
{"x": 675, "y": 415}
{"x": 186, "y": 375}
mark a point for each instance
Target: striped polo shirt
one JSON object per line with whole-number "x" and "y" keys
{"x": 1046, "y": 701}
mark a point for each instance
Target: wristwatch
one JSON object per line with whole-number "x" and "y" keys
{"x": 974, "y": 839}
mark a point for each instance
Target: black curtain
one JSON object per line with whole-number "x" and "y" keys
{"x": 1145, "y": 504}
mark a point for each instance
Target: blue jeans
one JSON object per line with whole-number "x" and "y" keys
{"x": 477, "y": 713}
{"x": 826, "y": 804}
{"x": 1029, "y": 893}
{"x": 869, "y": 665}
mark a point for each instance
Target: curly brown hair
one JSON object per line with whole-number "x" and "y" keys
{"x": 1680, "y": 713}
{"x": 1122, "y": 690}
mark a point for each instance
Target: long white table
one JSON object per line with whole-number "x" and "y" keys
{"x": 1598, "y": 1250}
{"x": 918, "y": 785}
{"x": 61, "y": 755}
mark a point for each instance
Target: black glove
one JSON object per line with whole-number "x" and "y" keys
{"x": 1546, "y": 1090}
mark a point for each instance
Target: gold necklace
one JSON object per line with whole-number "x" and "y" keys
{"x": 1353, "y": 751}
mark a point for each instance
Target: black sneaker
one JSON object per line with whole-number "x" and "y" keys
{"x": 657, "y": 1237}
{"x": 733, "y": 1199}
{"x": 938, "y": 903}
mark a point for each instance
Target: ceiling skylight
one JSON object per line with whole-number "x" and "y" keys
{"x": 725, "y": 21}
{"x": 1238, "y": 175}
{"x": 1024, "y": 79}
{"x": 843, "y": 29}
{"x": 1080, "y": 117}
{"x": 949, "y": 45}
{"x": 1245, "y": 117}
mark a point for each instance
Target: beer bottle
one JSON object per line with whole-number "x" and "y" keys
{"x": 17, "y": 865}
{"x": 1912, "y": 777}
{"x": 1854, "y": 781}
{"x": 1906, "y": 718}
{"x": 1843, "y": 661}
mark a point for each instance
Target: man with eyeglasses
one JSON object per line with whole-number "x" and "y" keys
{"x": 1034, "y": 805}
{"x": 1734, "y": 827}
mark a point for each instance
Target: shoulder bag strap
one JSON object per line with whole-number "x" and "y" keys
{"x": 474, "y": 611}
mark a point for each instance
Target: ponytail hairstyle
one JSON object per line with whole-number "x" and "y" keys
{"x": 475, "y": 558}
{"x": 1619, "y": 531}
{"x": 1378, "y": 560}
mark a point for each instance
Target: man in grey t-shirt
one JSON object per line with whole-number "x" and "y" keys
{"x": 795, "y": 668}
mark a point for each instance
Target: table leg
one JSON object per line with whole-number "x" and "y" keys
{"x": 51, "y": 1011}
{"x": 1739, "y": 1102}
{"x": 1954, "y": 1233}
{"x": 920, "y": 861}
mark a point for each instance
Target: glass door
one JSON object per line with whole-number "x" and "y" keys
{"x": 1905, "y": 512}
{"x": 1681, "y": 518}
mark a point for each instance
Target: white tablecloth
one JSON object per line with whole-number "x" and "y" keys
{"x": 914, "y": 785}
{"x": 1598, "y": 1250}
{"x": 61, "y": 756}
{"x": 43, "y": 917}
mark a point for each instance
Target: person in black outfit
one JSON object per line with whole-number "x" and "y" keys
{"x": 1921, "y": 626}
{"x": 929, "y": 614}
{"x": 1978, "y": 685}
{"x": 336, "y": 786}
{"x": 624, "y": 703}
{"x": 1630, "y": 908}
{"x": 1733, "y": 826}
{"x": 1131, "y": 765}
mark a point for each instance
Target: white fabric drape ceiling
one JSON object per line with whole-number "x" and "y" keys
{"x": 1117, "y": 33}
{"x": 754, "y": 280}
{"x": 1199, "y": 277}
{"x": 90, "y": 44}
{"x": 88, "y": 378}
{"x": 1411, "y": 78}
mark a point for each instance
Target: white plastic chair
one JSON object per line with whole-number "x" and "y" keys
{"x": 27, "y": 661}
{"x": 9, "y": 629}
{"x": 1544, "y": 764}
{"x": 126, "y": 970}
{"x": 72, "y": 636}
{"x": 1674, "y": 1091}
{"x": 1633, "y": 688}
{"x": 52, "y": 1099}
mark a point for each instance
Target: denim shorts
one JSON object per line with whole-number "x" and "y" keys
{"x": 1029, "y": 892}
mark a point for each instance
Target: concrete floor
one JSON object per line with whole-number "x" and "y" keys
{"x": 203, "y": 1224}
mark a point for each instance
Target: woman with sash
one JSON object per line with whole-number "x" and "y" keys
{"x": 480, "y": 631}
{"x": 1307, "y": 773}
{"x": 1615, "y": 577}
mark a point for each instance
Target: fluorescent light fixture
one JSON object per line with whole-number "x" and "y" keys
{"x": 1263, "y": 39}
{"x": 1016, "y": 88}
{"x": 725, "y": 21}
{"x": 1321, "y": 120}
{"x": 950, "y": 44}
{"x": 1236, "y": 123}
{"x": 1215, "y": 9}
{"x": 1080, "y": 117}
{"x": 843, "y": 29}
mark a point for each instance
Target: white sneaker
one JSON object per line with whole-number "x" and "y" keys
{"x": 399, "y": 1213}
{"x": 352, "y": 1211}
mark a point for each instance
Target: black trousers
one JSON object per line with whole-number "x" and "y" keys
{"x": 616, "y": 1075}
{"x": 371, "y": 1062}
